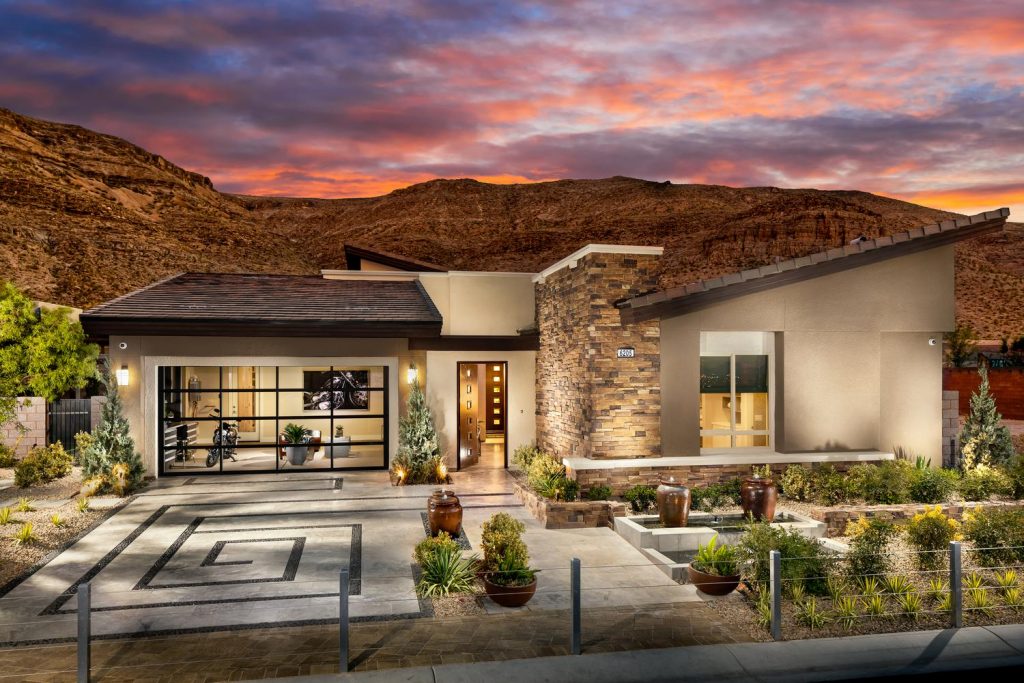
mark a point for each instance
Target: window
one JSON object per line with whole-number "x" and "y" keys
{"x": 735, "y": 403}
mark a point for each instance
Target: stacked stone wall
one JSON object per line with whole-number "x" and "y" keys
{"x": 583, "y": 514}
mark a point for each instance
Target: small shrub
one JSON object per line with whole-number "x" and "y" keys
{"x": 945, "y": 603}
{"x": 1014, "y": 471}
{"x": 501, "y": 533}
{"x": 600, "y": 492}
{"x": 42, "y": 465}
{"x": 24, "y": 505}
{"x": 83, "y": 504}
{"x": 25, "y": 535}
{"x": 445, "y": 571}
{"x": 512, "y": 569}
{"x": 846, "y": 611}
{"x": 874, "y": 605}
{"x": 884, "y": 484}
{"x": 641, "y": 498}
{"x": 930, "y": 533}
{"x": 937, "y": 587}
{"x": 898, "y": 584}
{"x": 83, "y": 442}
{"x": 56, "y": 520}
{"x": 982, "y": 482}
{"x": 869, "y": 586}
{"x": 714, "y": 496}
{"x": 910, "y": 604}
{"x": 6, "y": 516}
{"x": 7, "y": 458}
{"x": 794, "y": 483}
{"x": 979, "y": 600}
{"x": 544, "y": 468}
{"x": 933, "y": 486}
{"x": 718, "y": 560}
{"x": 973, "y": 580}
{"x": 867, "y": 554}
{"x": 827, "y": 486}
{"x": 1006, "y": 579}
{"x": 119, "y": 474}
{"x": 808, "y": 614}
{"x": 523, "y": 456}
{"x": 1014, "y": 598}
{"x": 997, "y": 536}
{"x": 836, "y": 587}
{"x": 559, "y": 488}
{"x": 763, "y": 606}
{"x": 93, "y": 485}
{"x": 804, "y": 560}
{"x": 431, "y": 545}
{"x": 796, "y": 591}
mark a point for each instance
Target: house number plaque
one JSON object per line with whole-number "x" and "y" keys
{"x": 625, "y": 352}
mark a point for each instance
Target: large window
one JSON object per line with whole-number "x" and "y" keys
{"x": 735, "y": 399}
{"x": 232, "y": 418}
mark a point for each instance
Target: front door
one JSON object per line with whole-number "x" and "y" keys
{"x": 483, "y": 414}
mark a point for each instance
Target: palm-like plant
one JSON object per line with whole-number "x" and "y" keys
{"x": 295, "y": 434}
{"x": 445, "y": 571}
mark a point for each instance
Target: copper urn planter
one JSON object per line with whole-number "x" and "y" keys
{"x": 758, "y": 496}
{"x": 673, "y": 503}
{"x": 444, "y": 513}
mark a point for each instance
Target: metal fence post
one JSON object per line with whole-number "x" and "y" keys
{"x": 84, "y": 632}
{"x": 574, "y": 580}
{"x": 343, "y": 622}
{"x": 775, "y": 576}
{"x": 956, "y": 583}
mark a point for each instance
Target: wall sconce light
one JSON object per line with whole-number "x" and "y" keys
{"x": 410, "y": 374}
{"x": 122, "y": 376}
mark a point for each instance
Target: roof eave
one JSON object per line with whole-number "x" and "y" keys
{"x": 107, "y": 326}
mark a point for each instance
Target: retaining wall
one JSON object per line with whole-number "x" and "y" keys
{"x": 562, "y": 515}
{"x": 836, "y": 519}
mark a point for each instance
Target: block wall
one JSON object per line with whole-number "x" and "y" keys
{"x": 31, "y": 413}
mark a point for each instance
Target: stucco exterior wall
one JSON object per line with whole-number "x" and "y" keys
{"x": 443, "y": 392}
{"x": 481, "y": 303}
{"x": 853, "y": 364}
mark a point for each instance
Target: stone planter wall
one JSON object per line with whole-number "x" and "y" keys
{"x": 561, "y": 515}
{"x": 837, "y": 518}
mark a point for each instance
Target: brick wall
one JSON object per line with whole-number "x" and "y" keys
{"x": 589, "y": 402}
{"x": 1006, "y": 384}
{"x": 32, "y": 416}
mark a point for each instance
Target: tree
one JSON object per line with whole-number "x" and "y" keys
{"x": 43, "y": 352}
{"x": 983, "y": 441}
{"x": 419, "y": 449}
{"x": 960, "y": 344}
{"x": 111, "y": 444}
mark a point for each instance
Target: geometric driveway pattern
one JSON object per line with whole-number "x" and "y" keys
{"x": 256, "y": 551}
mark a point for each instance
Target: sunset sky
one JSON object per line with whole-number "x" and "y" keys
{"x": 918, "y": 100}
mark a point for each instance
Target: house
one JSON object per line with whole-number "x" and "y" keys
{"x": 833, "y": 357}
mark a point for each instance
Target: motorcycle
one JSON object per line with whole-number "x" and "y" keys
{"x": 225, "y": 438}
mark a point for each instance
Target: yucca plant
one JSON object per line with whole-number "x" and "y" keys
{"x": 946, "y": 602}
{"x": 910, "y": 604}
{"x": 898, "y": 584}
{"x": 1007, "y": 579}
{"x": 764, "y": 609}
{"x": 846, "y": 611}
{"x": 25, "y": 535}
{"x": 445, "y": 571}
{"x": 797, "y": 592}
{"x": 937, "y": 587}
{"x": 83, "y": 504}
{"x": 24, "y": 505}
{"x": 874, "y": 605}
{"x": 56, "y": 520}
{"x": 6, "y": 516}
{"x": 808, "y": 614}
{"x": 836, "y": 587}
{"x": 1013, "y": 597}
{"x": 980, "y": 601}
{"x": 973, "y": 581}
{"x": 869, "y": 586}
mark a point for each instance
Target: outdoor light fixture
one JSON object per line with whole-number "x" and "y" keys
{"x": 410, "y": 374}
{"x": 122, "y": 376}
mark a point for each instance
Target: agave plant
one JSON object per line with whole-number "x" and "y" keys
{"x": 445, "y": 571}
{"x": 1007, "y": 579}
{"x": 875, "y": 605}
{"x": 937, "y": 587}
{"x": 973, "y": 581}
{"x": 910, "y": 604}
{"x": 869, "y": 586}
{"x": 898, "y": 584}
{"x": 1013, "y": 597}
{"x": 980, "y": 600}
{"x": 25, "y": 535}
{"x": 846, "y": 611}
{"x": 808, "y": 614}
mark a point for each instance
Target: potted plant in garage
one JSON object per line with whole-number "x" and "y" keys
{"x": 296, "y": 437}
{"x": 341, "y": 445}
{"x": 715, "y": 570}
{"x": 507, "y": 576}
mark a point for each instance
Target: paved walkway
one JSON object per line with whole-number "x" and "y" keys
{"x": 206, "y": 554}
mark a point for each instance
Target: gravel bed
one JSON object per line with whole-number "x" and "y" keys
{"x": 460, "y": 605}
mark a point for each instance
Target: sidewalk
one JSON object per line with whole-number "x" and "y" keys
{"x": 857, "y": 657}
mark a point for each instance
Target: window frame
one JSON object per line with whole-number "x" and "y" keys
{"x": 732, "y": 433}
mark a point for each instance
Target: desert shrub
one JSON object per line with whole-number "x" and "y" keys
{"x": 714, "y": 496}
{"x": 827, "y": 486}
{"x": 42, "y": 465}
{"x": 982, "y": 482}
{"x": 542, "y": 469}
{"x": 570, "y": 489}
{"x": 794, "y": 482}
{"x": 884, "y": 484}
{"x": 7, "y": 458}
{"x": 93, "y": 485}
{"x": 431, "y": 545}
{"x": 559, "y": 488}
{"x": 445, "y": 571}
{"x": 640, "y": 497}
{"x": 502, "y": 535}
{"x": 930, "y": 533}
{"x": 524, "y": 455}
{"x": 805, "y": 562}
{"x": 933, "y": 485}
{"x": 869, "y": 539}
{"x": 997, "y": 535}
{"x": 83, "y": 441}
{"x": 1014, "y": 471}
{"x": 599, "y": 493}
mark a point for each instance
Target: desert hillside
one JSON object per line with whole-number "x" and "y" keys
{"x": 85, "y": 217}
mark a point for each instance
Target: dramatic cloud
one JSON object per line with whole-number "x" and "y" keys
{"x": 920, "y": 100}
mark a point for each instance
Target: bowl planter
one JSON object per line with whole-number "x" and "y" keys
{"x": 712, "y": 584}
{"x": 444, "y": 513}
{"x": 758, "y": 496}
{"x": 509, "y": 596}
{"x": 673, "y": 503}
{"x": 296, "y": 453}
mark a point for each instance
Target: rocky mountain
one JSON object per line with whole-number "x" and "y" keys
{"x": 86, "y": 216}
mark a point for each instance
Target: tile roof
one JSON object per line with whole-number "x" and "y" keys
{"x": 268, "y": 304}
{"x": 696, "y": 295}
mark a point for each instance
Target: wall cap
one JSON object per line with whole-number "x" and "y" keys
{"x": 575, "y": 256}
{"x": 761, "y": 458}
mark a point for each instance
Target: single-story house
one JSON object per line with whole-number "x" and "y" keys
{"x": 833, "y": 357}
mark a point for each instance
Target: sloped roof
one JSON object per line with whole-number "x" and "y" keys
{"x": 227, "y": 304}
{"x": 355, "y": 253}
{"x": 697, "y": 295}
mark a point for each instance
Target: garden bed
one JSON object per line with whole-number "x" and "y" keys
{"x": 559, "y": 514}
{"x": 837, "y": 517}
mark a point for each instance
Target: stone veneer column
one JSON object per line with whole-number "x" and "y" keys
{"x": 589, "y": 402}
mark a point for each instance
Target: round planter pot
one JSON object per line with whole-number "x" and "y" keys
{"x": 712, "y": 584}
{"x": 673, "y": 503}
{"x": 758, "y": 497}
{"x": 296, "y": 453}
{"x": 509, "y": 596}
{"x": 444, "y": 513}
